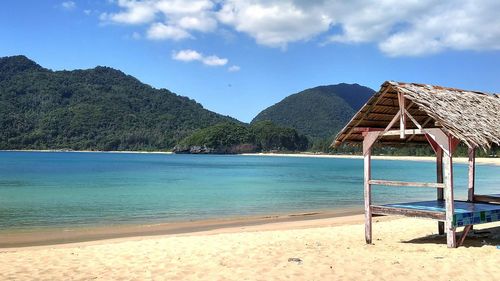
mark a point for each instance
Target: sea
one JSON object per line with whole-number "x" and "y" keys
{"x": 41, "y": 190}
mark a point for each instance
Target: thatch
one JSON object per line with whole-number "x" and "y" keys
{"x": 470, "y": 116}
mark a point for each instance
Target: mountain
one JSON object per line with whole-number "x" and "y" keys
{"x": 95, "y": 109}
{"x": 318, "y": 112}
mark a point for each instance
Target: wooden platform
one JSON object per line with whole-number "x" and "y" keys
{"x": 466, "y": 213}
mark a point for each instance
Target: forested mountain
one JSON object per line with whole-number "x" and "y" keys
{"x": 94, "y": 109}
{"x": 318, "y": 112}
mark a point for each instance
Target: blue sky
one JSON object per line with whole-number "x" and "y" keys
{"x": 238, "y": 57}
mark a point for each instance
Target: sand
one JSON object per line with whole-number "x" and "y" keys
{"x": 322, "y": 249}
{"x": 462, "y": 160}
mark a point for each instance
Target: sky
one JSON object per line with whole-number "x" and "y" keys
{"x": 238, "y": 57}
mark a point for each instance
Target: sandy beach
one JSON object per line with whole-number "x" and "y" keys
{"x": 462, "y": 160}
{"x": 480, "y": 161}
{"x": 87, "y": 151}
{"x": 320, "y": 249}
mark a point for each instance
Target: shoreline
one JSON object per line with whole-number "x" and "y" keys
{"x": 93, "y": 234}
{"x": 323, "y": 249}
{"x": 461, "y": 160}
{"x": 88, "y": 151}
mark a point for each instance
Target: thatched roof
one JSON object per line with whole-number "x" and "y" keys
{"x": 470, "y": 116}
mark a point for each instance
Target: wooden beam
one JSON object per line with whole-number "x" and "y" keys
{"x": 368, "y": 109}
{"x": 451, "y": 238}
{"x": 448, "y": 145}
{"x": 472, "y": 172}
{"x": 486, "y": 198}
{"x": 405, "y": 183}
{"x": 384, "y": 210}
{"x": 368, "y": 140}
{"x": 367, "y": 129}
{"x": 467, "y": 228}
{"x": 434, "y": 145}
{"x": 439, "y": 137}
{"x": 439, "y": 179}
{"x": 423, "y": 126}
{"x": 402, "y": 118}
{"x": 406, "y": 132}
{"x": 393, "y": 121}
{"x": 367, "y": 192}
{"x": 413, "y": 120}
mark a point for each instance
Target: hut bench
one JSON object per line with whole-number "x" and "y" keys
{"x": 409, "y": 113}
{"x": 466, "y": 213}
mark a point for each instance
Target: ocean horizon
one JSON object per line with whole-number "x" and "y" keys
{"x": 44, "y": 190}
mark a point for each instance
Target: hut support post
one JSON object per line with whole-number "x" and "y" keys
{"x": 402, "y": 116}
{"x": 471, "y": 185}
{"x": 369, "y": 139}
{"x": 440, "y": 191}
{"x": 451, "y": 238}
{"x": 472, "y": 174}
{"x": 448, "y": 144}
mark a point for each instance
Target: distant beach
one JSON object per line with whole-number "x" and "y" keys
{"x": 462, "y": 160}
{"x": 86, "y": 151}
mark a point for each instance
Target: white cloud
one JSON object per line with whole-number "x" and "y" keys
{"x": 214, "y": 61}
{"x": 134, "y": 12}
{"x": 87, "y": 12}
{"x": 398, "y": 28}
{"x": 233, "y": 68}
{"x": 68, "y": 5}
{"x": 192, "y": 55}
{"x": 199, "y": 23}
{"x": 275, "y": 23}
{"x": 160, "y": 31}
{"x": 187, "y": 55}
{"x": 168, "y": 19}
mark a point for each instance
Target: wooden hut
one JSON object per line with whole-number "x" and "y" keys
{"x": 408, "y": 113}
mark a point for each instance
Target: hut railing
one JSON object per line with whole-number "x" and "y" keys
{"x": 406, "y": 183}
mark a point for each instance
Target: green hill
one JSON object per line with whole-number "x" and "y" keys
{"x": 94, "y": 109}
{"x": 230, "y": 137}
{"x": 318, "y": 112}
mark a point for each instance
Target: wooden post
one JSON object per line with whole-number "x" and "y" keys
{"x": 368, "y": 197}
{"x": 369, "y": 139}
{"x": 439, "y": 176}
{"x": 451, "y": 238}
{"x": 402, "y": 116}
{"x": 448, "y": 144}
{"x": 472, "y": 174}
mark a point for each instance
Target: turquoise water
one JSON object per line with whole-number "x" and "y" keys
{"x": 44, "y": 190}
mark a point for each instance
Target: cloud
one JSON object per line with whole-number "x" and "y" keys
{"x": 397, "y": 28}
{"x": 187, "y": 55}
{"x": 192, "y": 55}
{"x": 135, "y": 12}
{"x": 275, "y": 23}
{"x": 68, "y": 5}
{"x": 233, "y": 68}
{"x": 214, "y": 61}
{"x": 167, "y": 19}
{"x": 160, "y": 31}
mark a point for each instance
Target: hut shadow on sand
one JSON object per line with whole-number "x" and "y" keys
{"x": 475, "y": 239}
